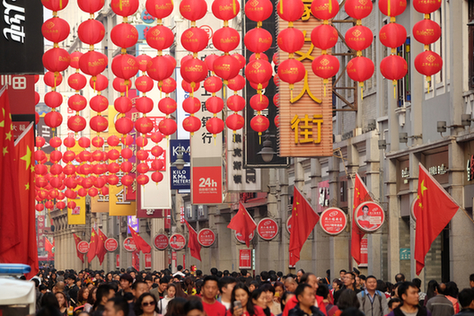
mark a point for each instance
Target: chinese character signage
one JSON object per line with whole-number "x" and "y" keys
{"x": 245, "y": 258}
{"x": 207, "y": 185}
{"x": 267, "y": 229}
{"x": 333, "y": 221}
{"x": 364, "y": 254}
{"x": 306, "y": 114}
{"x": 369, "y": 216}
{"x": 21, "y": 42}
{"x": 405, "y": 254}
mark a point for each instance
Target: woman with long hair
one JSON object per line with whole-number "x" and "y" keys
{"x": 189, "y": 286}
{"x": 146, "y": 305}
{"x": 109, "y": 278}
{"x": 176, "y": 307}
{"x": 431, "y": 290}
{"x": 91, "y": 300}
{"x": 241, "y": 294}
{"x": 259, "y": 301}
{"x": 279, "y": 289}
{"x": 82, "y": 296}
{"x": 163, "y": 304}
{"x": 347, "y": 299}
{"x": 62, "y": 301}
{"x": 52, "y": 281}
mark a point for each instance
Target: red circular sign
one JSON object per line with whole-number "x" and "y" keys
{"x": 239, "y": 238}
{"x": 333, "y": 221}
{"x": 206, "y": 237}
{"x": 267, "y": 228}
{"x": 288, "y": 225}
{"x": 161, "y": 241}
{"x": 177, "y": 241}
{"x": 111, "y": 244}
{"x": 83, "y": 246}
{"x": 129, "y": 244}
{"x": 369, "y": 216}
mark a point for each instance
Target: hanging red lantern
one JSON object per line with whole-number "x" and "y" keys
{"x": 55, "y": 169}
{"x": 157, "y": 165}
{"x": 291, "y": 71}
{"x": 124, "y": 66}
{"x": 193, "y": 71}
{"x": 185, "y": 59}
{"x": 121, "y": 85}
{"x": 99, "y": 123}
{"x": 215, "y": 125}
{"x": 75, "y": 56}
{"x": 262, "y": 57}
{"x": 167, "y": 126}
{"x": 167, "y": 86}
{"x": 212, "y": 84}
{"x": 98, "y": 141}
{"x": 360, "y": 69}
{"x": 143, "y": 61}
{"x": 144, "y": 125}
{"x": 258, "y": 10}
{"x": 156, "y": 137}
{"x": 237, "y": 83}
{"x": 40, "y": 141}
{"x": 127, "y": 180}
{"x": 157, "y": 151}
{"x": 226, "y": 39}
{"x": 193, "y": 10}
{"x": 191, "y": 124}
{"x": 160, "y": 37}
{"x": 393, "y": 68}
{"x": 191, "y": 105}
{"x": 160, "y": 9}
{"x": 41, "y": 169}
{"x": 167, "y": 106}
{"x": 101, "y": 181}
{"x": 124, "y": 8}
{"x": 144, "y": 105}
{"x": 54, "y": 5}
{"x": 214, "y": 104}
{"x": 236, "y": 103}
{"x": 124, "y": 35}
{"x": 142, "y": 167}
{"x": 127, "y": 140}
{"x": 324, "y": 9}
{"x": 93, "y": 192}
{"x": 241, "y": 59}
{"x": 358, "y": 37}
{"x": 112, "y": 179}
{"x": 259, "y": 123}
{"x": 210, "y": 61}
{"x": 324, "y": 36}
{"x": 53, "y": 99}
{"x": 226, "y": 67}
{"x": 124, "y": 125}
{"x": 39, "y": 207}
{"x": 50, "y": 205}
{"x": 53, "y": 119}
{"x": 142, "y": 154}
{"x": 97, "y": 156}
{"x": 171, "y": 60}
{"x": 157, "y": 176}
{"x": 392, "y": 8}
{"x": 113, "y": 140}
{"x": 144, "y": 84}
{"x": 82, "y": 192}
{"x": 393, "y": 35}
{"x": 91, "y": 32}
{"x": 258, "y": 40}
{"x": 69, "y": 169}
{"x": 99, "y": 103}
{"x": 77, "y": 81}
{"x": 55, "y": 30}
{"x": 276, "y": 100}
{"x": 225, "y": 9}
{"x": 60, "y": 205}
{"x": 325, "y": 66}
{"x": 259, "y": 103}
{"x": 84, "y": 142}
{"x": 160, "y": 68}
{"x": 123, "y": 104}
{"x": 426, "y": 31}
{"x": 99, "y": 82}
{"x": 126, "y": 166}
{"x": 290, "y": 40}
{"x": 142, "y": 179}
{"x": 56, "y": 59}
{"x": 93, "y": 63}
{"x": 276, "y": 120}
{"x": 358, "y": 9}
{"x": 290, "y": 10}
{"x": 194, "y": 39}
{"x": 188, "y": 88}
{"x": 90, "y": 6}
{"x": 426, "y": 7}
{"x": 70, "y": 194}
{"x": 428, "y": 63}
{"x": 113, "y": 154}
{"x": 258, "y": 71}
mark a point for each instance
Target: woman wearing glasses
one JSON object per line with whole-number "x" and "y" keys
{"x": 146, "y": 305}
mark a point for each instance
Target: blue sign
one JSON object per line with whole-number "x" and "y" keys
{"x": 142, "y": 30}
{"x": 405, "y": 254}
{"x": 180, "y": 179}
{"x": 175, "y": 144}
{"x": 146, "y": 17}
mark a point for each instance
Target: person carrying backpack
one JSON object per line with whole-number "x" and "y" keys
{"x": 372, "y": 302}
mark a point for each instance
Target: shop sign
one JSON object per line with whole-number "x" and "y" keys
{"x": 148, "y": 261}
{"x": 369, "y": 216}
{"x": 267, "y": 229}
{"x": 364, "y": 254}
{"x": 129, "y": 244}
{"x": 333, "y": 221}
{"x": 161, "y": 241}
{"x": 177, "y": 241}
{"x": 240, "y": 239}
{"x": 245, "y": 258}
{"x": 435, "y": 170}
{"x": 206, "y": 237}
{"x": 83, "y": 246}
{"x": 111, "y": 244}
{"x": 206, "y": 185}
{"x": 405, "y": 254}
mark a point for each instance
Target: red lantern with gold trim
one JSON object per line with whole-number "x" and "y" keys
{"x": 358, "y": 9}
{"x": 124, "y": 125}
{"x": 124, "y": 8}
{"x": 167, "y": 106}
{"x": 194, "y": 70}
{"x": 160, "y": 68}
{"x": 258, "y": 40}
{"x": 290, "y": 10}
{"x": 259, "y": 123}
{"x": 426, "y": 31}
{"x": 259, "y": 103}
{"x": 213, "y": 84}
{"x": 291, "y": 71}
{"x": 167, "y": 86}
{"x": 167, "y": 126}
{"x": 393, "y": 67}
{"x": 226, "y": 39}
{"x": 360, "y": 69}
{"x": 77, "y": 81}
{"x": 428, "y": 63}
{"x": 124, "y": 66}
{"x": 123, "y": 104}
{"x": 144, "y": 125}
{"x": 258, "y": 10}
{"x": 55, "y": 29}
{"x": 426, "y": 7}
{"x": 53, "y": 99}
{"x": 194, "y": 39}
{"x": 124, "y": 35}
{"x": 258, "y": 71}
{"x": 324, "y": 36}
{"x": 359, "y": 37}
{"x": 144, "y": 105}
{"x": 99, "y": 123}
{"x": 160, "y": 37}
{"x": 75, "y": 56}
{"x": 55, "y": 5}
{"x": 121, "y": 85}
{"x": 91, "y": 31}
{"x": 90, "y": 6}
{"x": 142, "y": 179}
{"x": 93, "y": 63}
{"x": 210, "y": 61}
{"x": 325, "y": 66}
{"x": 237, "y": 83}
{"x": 56, "y": 59}
{"x": 191, "y": 124}
{"x": 324, "y": 9}
{"x": 215, "y": 125}
{"x": 143, "y": 61}
{"x": 290, "y": 40}
{"x": 157, "y": 176}
{"x": 98, "y": 103}
{"x": 225, "y": 9}
{"x": 226, "y": 67}
{"x": 191, "y": 105}
{"x": 99, "y": 82}
{"x": 393, "y": 35}
{"x": 144, "y": 84}
{"x": 236, "y": 103}
{"x": 76, "y": 123}
{"x": 193, "y": 10}
{"x": 214, "y": 105}
{"x": 392, "y": 8}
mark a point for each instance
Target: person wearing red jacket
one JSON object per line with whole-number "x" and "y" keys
{"x": 312, "y": 280}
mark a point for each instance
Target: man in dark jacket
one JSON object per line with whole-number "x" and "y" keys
{"x": 306, "y": 299}
{"x": 466, "y": 300}
{"x": 439, "y": 305}
{"x": 72, "y": 289}
{"x": 408, "y": 292}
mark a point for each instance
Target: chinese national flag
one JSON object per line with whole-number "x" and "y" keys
{"x": 303, "y": 219}
{"x": 49, "y": 247}
{"x": 193, "y": 244}
{"x": 101, "y": 251}
{"x": 361, "y": 195}
{"x": 139, "y": 241}
{"x": 77, "y": 240}
{"x": 92, "y": 246}
{"x": 243, "y": 223}
{"x": 11, "y": 226}
{"x": 436, "y": 209}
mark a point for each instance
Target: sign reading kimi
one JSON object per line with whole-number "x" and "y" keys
{"x": 306, "y": 114}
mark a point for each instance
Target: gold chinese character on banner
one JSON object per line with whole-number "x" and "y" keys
{"x": 303, "y": 128}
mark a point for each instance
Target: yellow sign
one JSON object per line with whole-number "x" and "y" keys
{"x": 304, "y": 132}
{"x": 77, "y": 215}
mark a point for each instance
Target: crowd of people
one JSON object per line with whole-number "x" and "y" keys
{"x": 133, "y": 293}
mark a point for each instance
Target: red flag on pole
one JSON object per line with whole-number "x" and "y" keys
{"x": 193, "y": 244}
{"x": 11, "y": 227}
{"x": 49, "y": 247}
{"x": 92, "y": 246}
{"x": 361, "y": 195}
{"x": 243, "y": 224}
{"x": 77, "y": 240}
{"x": 435, "y": 211}
{"x": 139, "y": 241}
{"x": 101, "y": 251}
{"x": 303, "y": 219}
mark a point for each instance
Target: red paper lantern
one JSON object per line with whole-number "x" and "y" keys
{"x": 112, "y": 179}
{"x": 226, "y": 67}
{"x": 210, "y": 61}
{"x": 121, "y": 85}
{"x": 194, "y": 39}
{"x": 291, "y": 71}
{"x": 258, "y": 40}
{"x": 90, "y": 6}
{"x": 124, "y": 8}
{"x": 113, "y": 154}
{"x": 324, "y": 36}
{"x": 93, "y": 192}
{"x": 98, "y": 141}
{"x": 143, "y": 61}
{"x": 235, "y": 121}
{"x": 325, "y": 66}
{"x": 142, "y": 179}
{"x": 290, "y": 40}
{"x": 237, "y": 83}
{"x": 127, "y": 140}
{"x": 100, "y": 182}
{"x": 214, "y": 104}
{"x": 40, "y": 141}
{"x": 41, "y": 169}
{"x": 160, "y": 9}
{"x": 259, "y": 103}
{"x": 187, "y": 86}
{"x": 194, "y": 70}
{"x": 127, "y": 180}
{"x": 156, "y": 137}
{"x": 77, "y": 81}
{"x": 167, "y": 106}
{"x": 70, "y": 194}
{"x": 393, "y": 35}
{"x": 259, "y": 124}
{"x": 157, "y": 151}
{"x": 426, "y": 31}
{"x": 215, "y": 125}
{"x": 69, "y": 156}
{"x": 84, "y": 142}
{"x": 144, "y": 125}
{"x": 290, "y": 10}
{"x": 428, "y": 63}
{"x": 142, "y": 167}
{"x": 124, "y": 125}
{"x": 241, "y": 59}
{"x": 226, "y": 39}
{"x": 276, "y": 120}
{"x": 55, "y": 30}
{"x": 53, "y": 99}
{"x": 157, "y": 165}
{"x": 91, "y": 32}
{"x": 225, "y": 9}
{"x": 193, "y": 10}
{"x": 358, "y": 9}
{"x": 160, "y": 68}
{"x": 69, "y": 169}
{"x": 93, "y": 63}
{"x": 167, "y": 86}
{"x": 360, "y": 69}
{"x": 99, "y": 82}
{"x": 262, "y": 56}
{"x": 99, "y": 123}
{"x": 212, "y": 84}
{"x": 75, "y": 56}
{"x": 97, "y": 156}
{"x": 167, "y": 126}
{"x": 324, "y": 9}
{"x": 123, "y": 104}
{"x": 126, "y": 166}
{"x": 39, "y": 207}
{"x": 258, "y": 10}
{"x": 113, "y": 140}
{"x": 82, "y": 192}
{"x": 258, "y": 71}
{"x": 144, "y": 105}
{"x": 392, "y": 8}
{"x": 55, "y": 169}
{"x": 236, "y": 103}
{"x": 144, "y": 84}
{"x": 50, "y": 205}
{"x": 53, "y": 119}
{"x": 124, "y": 66}
{"x": 358, "y": 37}
{"x": 393, "y": 67}
{"x": 56, "y": 59}
{"x": 191, "y": 105}
{"x": 160, "y": 37}
{"x": 99, "y": 103}
{"x": 426, "y": 7}
{"x": 157, "y": 176}
{"x": 54, "y": 5}
{"x": 124, "y": 35}
{"x": 142, "y": 154}
{"x": 191, "y": 124}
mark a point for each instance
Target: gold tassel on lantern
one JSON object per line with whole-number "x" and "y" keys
{"x": 325, "y": 81}
{"x": 394, "y": 89}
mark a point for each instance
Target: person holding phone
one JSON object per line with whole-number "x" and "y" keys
{"x": 241, "y": 304}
